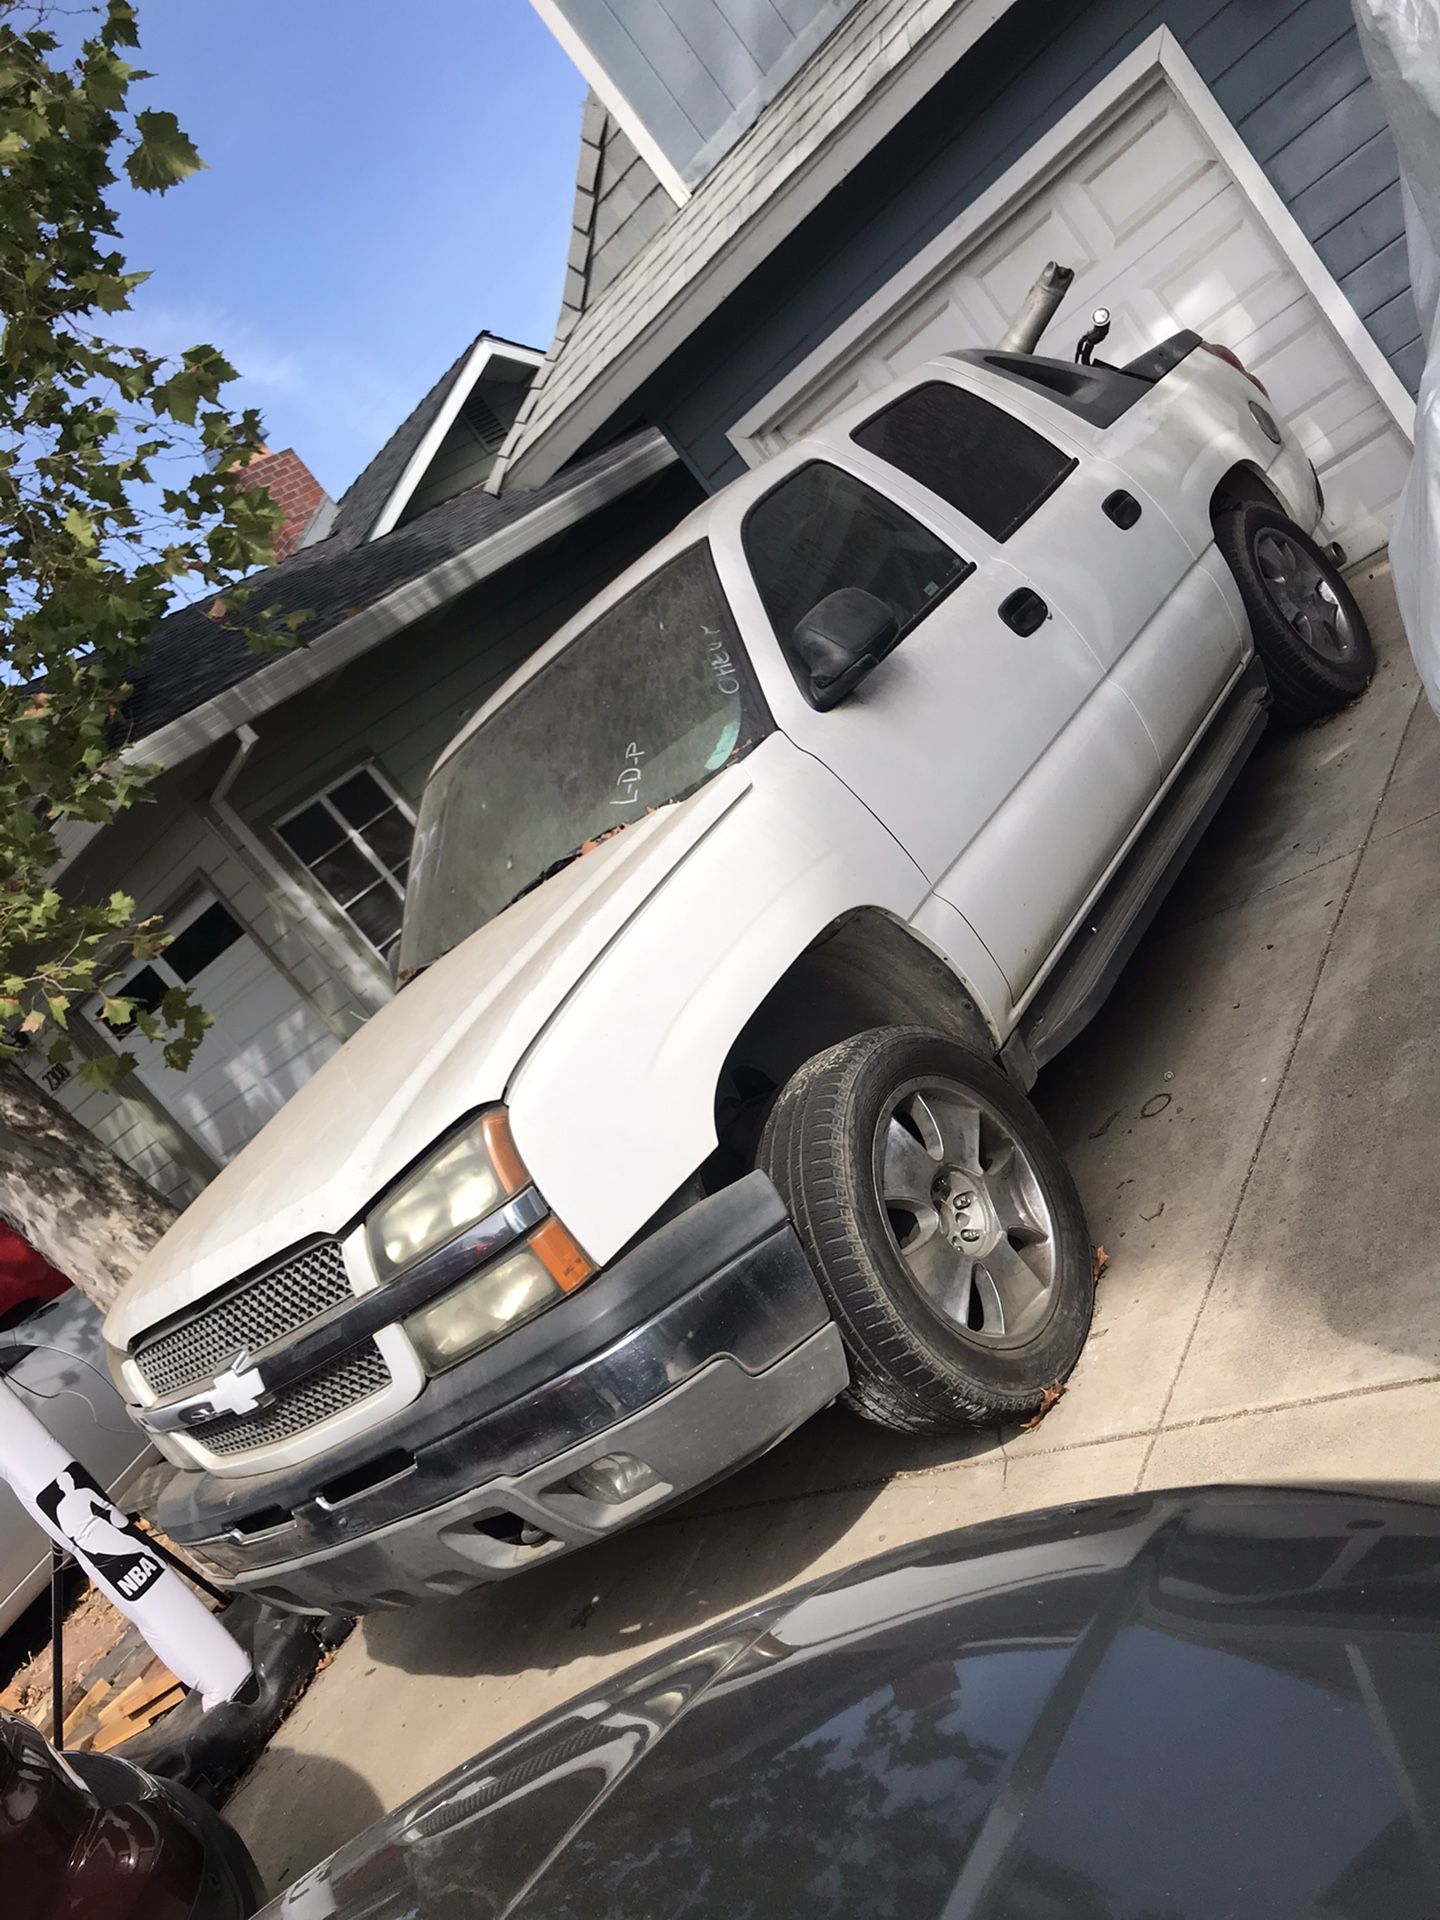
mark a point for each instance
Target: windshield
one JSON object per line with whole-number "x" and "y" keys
{"x": 643, "y": 706}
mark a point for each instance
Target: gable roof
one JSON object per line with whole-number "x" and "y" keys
{"x": 200, "y": 679}
{"x": 370, "y": 501}
{"x": 880, "y": 61}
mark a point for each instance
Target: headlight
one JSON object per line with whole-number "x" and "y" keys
{"x": 470, "y": 1176}
{"x": 479, "y": 1310}
{"x": 490, "y": 1303}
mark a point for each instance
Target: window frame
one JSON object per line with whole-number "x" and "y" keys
{"x": 195, "y": 904}
{"x": 868, "y": 481}
{"x": 1069, "y": 459}
{"x": 355, "y": 835}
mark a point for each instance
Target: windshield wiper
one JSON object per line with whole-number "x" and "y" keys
{"x": 548, "y": 873}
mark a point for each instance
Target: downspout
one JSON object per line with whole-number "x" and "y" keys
{"x": 249, "y": 847}
{"x": 245, "y": 738}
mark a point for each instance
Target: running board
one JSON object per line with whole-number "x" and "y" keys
{"x": 1088, "y": 970}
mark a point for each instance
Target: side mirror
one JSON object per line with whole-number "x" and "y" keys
{"x": 840, "y": 640}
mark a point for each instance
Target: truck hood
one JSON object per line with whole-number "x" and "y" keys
{"x": 446, "y": 1045}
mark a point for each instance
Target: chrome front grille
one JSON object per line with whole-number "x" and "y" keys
{"x": 354, "y": 1377}
{"x": 250, "y": 1314}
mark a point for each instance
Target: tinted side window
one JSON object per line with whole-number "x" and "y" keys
{"x": 822, "y": 529}
{"x": 982, "y": 461}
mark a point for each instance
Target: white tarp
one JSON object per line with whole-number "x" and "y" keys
{"x": 1401, "y": 39}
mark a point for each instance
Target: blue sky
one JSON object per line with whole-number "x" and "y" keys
{"x": 385, "y": 178}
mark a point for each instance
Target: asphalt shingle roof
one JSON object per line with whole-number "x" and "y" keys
{"x": 193, "y": 657}
{"x": 363, "y": 499}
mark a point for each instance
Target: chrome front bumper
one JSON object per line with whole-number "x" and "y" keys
{"x": 693, "y": 1353}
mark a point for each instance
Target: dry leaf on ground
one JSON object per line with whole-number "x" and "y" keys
{"x": 1047, "y": 1400}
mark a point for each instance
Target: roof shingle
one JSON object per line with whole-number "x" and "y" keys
{"x": 364, "y": 499}
{"x": 193, "y": 657}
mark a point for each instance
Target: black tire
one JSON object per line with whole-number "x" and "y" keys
{"x": 911, "y": 1367}
{"x": 1309, "y": 676}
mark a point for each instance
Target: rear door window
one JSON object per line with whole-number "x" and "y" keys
{"x": 821, "y": 529}
{"x": 976, "y": 457}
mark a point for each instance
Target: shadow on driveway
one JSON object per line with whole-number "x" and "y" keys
{"x": 326, "y": 1802}
{"x": 627, "y": 1595}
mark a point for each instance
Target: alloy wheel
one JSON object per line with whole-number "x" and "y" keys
{"x": 967, "y": 1212}
{"x": 1301, "y": 591}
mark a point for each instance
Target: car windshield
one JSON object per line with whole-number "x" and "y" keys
{"x": 642, "y": 707}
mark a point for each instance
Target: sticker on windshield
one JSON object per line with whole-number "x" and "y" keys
{"x": 724, "y": 746}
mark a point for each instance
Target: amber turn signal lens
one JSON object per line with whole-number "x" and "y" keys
{"x": 560, "y": 1257}
{"x": 509, "y": 1167}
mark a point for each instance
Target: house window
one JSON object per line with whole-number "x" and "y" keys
{"x": 354, "y": 840}
{"x": 979, "y": 459}
{"x": 200, "y": 942}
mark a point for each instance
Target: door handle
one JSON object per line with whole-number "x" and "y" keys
{"x": 1123, "y": 508}
{"x": 1023, "y": 611}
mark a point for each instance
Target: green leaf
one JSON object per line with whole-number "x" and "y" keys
{"x": 105, "y": 1071}
{"x": 106, "y": 79}
{"x": 121, "y": 473}
{"x": 174, "y": 1004}
{"x": 180, "y": 397}
{"x": 80, "y": 527}
{"x": 120, "y": 29}
{"x": 163, "y": 155}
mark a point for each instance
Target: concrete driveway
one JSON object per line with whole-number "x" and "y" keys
{"x": 1253, "y": 1124}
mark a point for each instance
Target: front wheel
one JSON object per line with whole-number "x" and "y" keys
{"x": 942, "y": 1223}
{"x": 1309, "y": 633}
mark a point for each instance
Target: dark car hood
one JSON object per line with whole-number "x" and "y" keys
{"x": 1195, "y": 1706}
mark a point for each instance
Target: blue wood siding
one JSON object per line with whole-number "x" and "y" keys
{"x": 697, "y": 72}
{"x": 1290, "y": 77}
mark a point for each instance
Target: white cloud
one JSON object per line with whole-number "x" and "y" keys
{"x": 164, "y": 327}
{"x": 333, "y": 403}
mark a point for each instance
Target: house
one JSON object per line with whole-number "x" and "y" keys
{"x": 825, "y": 192}
{"x": 779, "y": 204}
{"x": 277, "y": 842}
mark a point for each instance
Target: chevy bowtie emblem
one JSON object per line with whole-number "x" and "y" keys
{"x": 239, "y": 1389}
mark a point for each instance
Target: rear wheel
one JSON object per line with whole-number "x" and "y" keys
{"x": 942, "y": 1223}
{"x": 1309, "y": 633}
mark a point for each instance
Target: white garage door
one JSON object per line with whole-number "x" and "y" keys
{"x": 265, "y": 1043}
{"x": 1157, "y": 230}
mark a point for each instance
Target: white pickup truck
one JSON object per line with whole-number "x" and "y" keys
{"x": 739, "y": 924}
